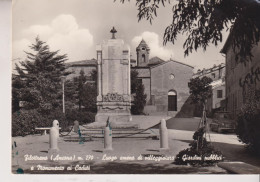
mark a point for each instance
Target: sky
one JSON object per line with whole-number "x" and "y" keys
{"x": 75, "y": 27}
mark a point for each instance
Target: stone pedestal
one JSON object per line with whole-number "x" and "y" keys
{"x": 53, "y": 138}
{"x": 114, "y": 92}
{"x": 164, "y": 144}
{"x": 108, "y": 139}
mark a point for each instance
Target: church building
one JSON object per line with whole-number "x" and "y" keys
{"x": 165, "y": 82}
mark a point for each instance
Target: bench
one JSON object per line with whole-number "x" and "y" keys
{"x": 44, "y": 128}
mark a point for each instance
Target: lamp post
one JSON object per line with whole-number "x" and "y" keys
{"x": 63, "y": 78}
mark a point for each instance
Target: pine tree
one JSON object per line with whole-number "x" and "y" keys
{"x": 17, "y": 85}
{"x": 41, "y": 74}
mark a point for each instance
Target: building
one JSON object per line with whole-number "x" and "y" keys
{"x": 239, "y": 76}
{"x": 217, "y": 101}
{"x": 85, "y": 65}
{"x": 217, "y": 74}
{"x": 165, "y": 82}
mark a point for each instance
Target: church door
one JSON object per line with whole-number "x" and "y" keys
{"x": 172, "y": 101}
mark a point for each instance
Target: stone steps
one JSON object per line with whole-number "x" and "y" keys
{"x": 87, "y": 134}
{"x": 114, "y": 132}
{"x": 88, "y": 138}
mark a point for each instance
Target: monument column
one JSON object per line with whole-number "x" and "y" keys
{"x": 114, "y": 97}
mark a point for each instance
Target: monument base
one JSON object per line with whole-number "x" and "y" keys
{"x": 113, "y": 117}
{"x": 113, "y": 125}
{"x": 117, "y": 121}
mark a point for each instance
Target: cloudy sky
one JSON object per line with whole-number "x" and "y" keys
{"x": 75, "y": 27}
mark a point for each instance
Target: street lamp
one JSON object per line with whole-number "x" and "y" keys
{"x": 63, "y": 78}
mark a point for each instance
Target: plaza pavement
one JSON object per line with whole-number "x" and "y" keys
{"x": 109, "y": 162}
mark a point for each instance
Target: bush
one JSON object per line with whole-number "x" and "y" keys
{"x": 24, "y": 122}
{"x": 248, "y": 121}
{"x": 55, "y": 115}
{"x": 82, "y": 116}
{"x": 247, "y": 130}
{"x": 200, "y": 152}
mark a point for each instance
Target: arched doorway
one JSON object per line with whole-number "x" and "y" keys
{"x": 172, "y": 100}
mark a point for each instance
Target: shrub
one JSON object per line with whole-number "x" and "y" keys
{"x": 82, "y": 116}
{"x": 55, "y": 115}
{"x": 247, "y": 130}
{"x": 200, "y": 152}
{"x": 24, "y": 122}
{"x": 248, "y": 121}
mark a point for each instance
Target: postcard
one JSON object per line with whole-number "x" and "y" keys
{"x": 135, "y": 87}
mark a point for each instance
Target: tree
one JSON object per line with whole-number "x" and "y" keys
{"x": 90, "y": 91}
{"x": 17, "y": 85}
{"x": 200, "y": 90}
{"x": 137, "y": 89}
{"x": 83, "y": 91}
{"x": 80, "y": 89}
{"x": 41, "y": 74}
{"x": 205, "y": 20}
{"x": 37, "y": 88}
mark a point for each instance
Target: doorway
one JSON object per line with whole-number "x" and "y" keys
{"x": 172, "y": 100}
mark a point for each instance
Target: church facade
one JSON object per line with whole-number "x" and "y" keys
{"x": 165, "y": 82}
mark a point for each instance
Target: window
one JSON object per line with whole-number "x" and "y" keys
{"x": 213, "y": 75}
{"x": 143, "y": 48}
{"x": 219, "y": 93}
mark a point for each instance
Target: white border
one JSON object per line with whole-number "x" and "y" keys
{"x": 5, "y": 132}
